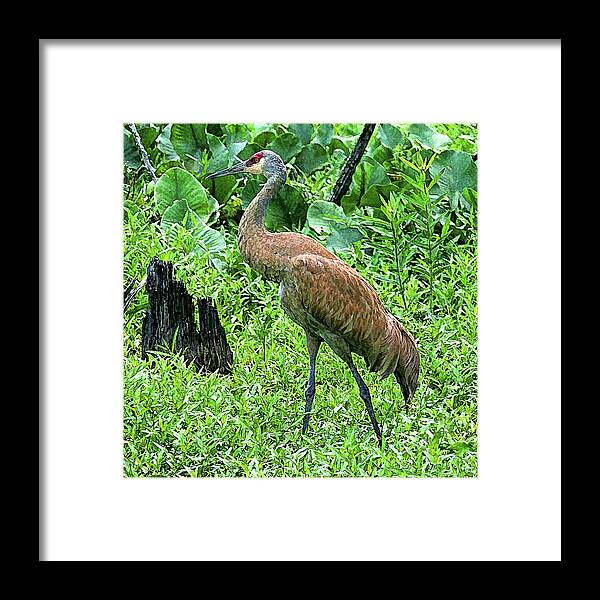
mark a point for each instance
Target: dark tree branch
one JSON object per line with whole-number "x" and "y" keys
{"x": 342, "y": 185}
{"x": 144, "y": 154}
{"x": 131, "y": 291}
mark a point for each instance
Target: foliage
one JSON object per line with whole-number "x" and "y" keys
{"x": 408, "y": 224}
{"x": 177, "y": 192}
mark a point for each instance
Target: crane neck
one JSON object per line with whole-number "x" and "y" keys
{"x": 253, "y": 219}
{"x": 254, "y": 241}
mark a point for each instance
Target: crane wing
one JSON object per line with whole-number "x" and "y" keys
{"x": 327, "y": 296}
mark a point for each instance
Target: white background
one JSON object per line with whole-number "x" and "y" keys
{"x": 511, "y": 511}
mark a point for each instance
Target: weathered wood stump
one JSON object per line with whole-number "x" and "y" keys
{"x": 170, "y": 321}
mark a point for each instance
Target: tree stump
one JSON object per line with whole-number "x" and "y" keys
{"x": 170, "y": 321}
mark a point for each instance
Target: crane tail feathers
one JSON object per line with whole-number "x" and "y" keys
{"x": 407, "y": 368}
{"x": 401, "y": 357}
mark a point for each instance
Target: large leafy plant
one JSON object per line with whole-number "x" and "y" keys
{"x": 183, "y": 154}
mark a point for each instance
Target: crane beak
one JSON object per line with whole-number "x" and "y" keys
{"x": 238, "y": 168}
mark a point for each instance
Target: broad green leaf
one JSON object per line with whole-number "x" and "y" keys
{"x": 463, "y": 135}
{"x": 456, "y": 171}
{"x": 258, "y": 127}
{"x": 342, "y": 238}
{"x": 148, "y": 135}
{"x": 390, "y": 135}
{"x": 381, "y": 154}
{"x": 209, "y": 240}
{"x": 236, "y": 133}
{"x": 311, "y": 158}
{"x": 280, "y": 129}
{"x": 352, "y": 198}
{"x": 264, "y": 138}
{"x": 372, "y": 197}
{"x": 248, "y": 151}
{"x": 326, "y": 217}
{"x": 428, "y": 137}
{"x": 303, "y": 131}
{"x": 177, "y": 185}
{"x": 324, "y": 134}
{"x": 277, "y": 216}
{"x": 286, "y": 145}
{"x": 251, "y": 187}
{"x": 215, "y": 129}
{"x": 221, "y": 187}
{"x": 188, "y": 140}
{"x": 369, "y": 180}
{"x": 349, "y": 129}
{"x": 469, "y": 196}
{"x": 375, "y": 173}
{"x": 131, "y": 155}
{"x": 219, "y": 155}
{"x": 286, "y": 210}
{"x": 163, "y": 167}
{"x": 165, "y": 145}
{"x": 339, "y": 144}
{"x": 235, "y": 147}
{"x": 179, "y": 212}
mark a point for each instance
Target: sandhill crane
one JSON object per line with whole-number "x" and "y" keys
{"x": 322, "y": 294}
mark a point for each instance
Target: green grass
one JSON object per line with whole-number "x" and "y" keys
{"x": 180, "y": 423}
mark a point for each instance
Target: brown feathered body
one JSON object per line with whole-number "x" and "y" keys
{"x": 327, "y": 297}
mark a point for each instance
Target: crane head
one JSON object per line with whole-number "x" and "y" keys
{"x": 265, "y": 162}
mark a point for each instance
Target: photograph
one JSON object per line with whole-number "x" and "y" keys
{"x": 300, "y": 300}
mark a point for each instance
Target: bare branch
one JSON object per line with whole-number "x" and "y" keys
{"x": 342, "y": 185}
{"x": 131, "y": 291}
{"x": 140, "y": 145}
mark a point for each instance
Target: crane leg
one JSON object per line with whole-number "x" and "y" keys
{"x": 313, "y": 344}
{"x": 366, "y": 396}
{"x": 342, "y": 349}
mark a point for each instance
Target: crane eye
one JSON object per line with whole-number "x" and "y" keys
{"x": 255, "y": 158}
